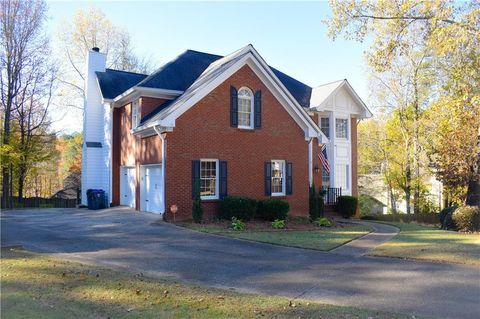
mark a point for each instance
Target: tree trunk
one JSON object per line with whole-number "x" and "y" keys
{"x": 416, "y": 150}
{"x": 21, "y": 182}
{"x": 473, "y": 193}
{"x": 5, "y": 187}
{"x": 408, "y": 187}
{"x": 5, "y": 169}
{"x": 393, "y": 202}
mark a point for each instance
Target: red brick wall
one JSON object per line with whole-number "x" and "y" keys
{"x": 148, "y": 104}
{"x": 204, "y": 132}
{"x": 130, "y": 150}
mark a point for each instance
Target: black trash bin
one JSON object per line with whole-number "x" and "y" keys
{"x": 96, "y": 198}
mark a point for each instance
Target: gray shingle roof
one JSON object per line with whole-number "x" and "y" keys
{"x": 114, "y": 82}
{"x": 180, "y": 73}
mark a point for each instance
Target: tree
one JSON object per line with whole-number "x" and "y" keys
{"x": 91, "y": 28}
{"x": 21, "y": 38}
{"x": 447, "y": 32}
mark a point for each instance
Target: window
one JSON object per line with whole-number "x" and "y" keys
{"x": 136, "y": 114}
{"x": 209, "y": 179}
{"x": 278, "y": 178}
{"x": 341, "y": 128}
{"x": 245, "y": 108}
{"x": 325, "y": 126}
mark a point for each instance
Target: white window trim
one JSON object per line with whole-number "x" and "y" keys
{"x": 252, "y": 111}
{"x": 217, "y": 171}
{"x": 327, "y": 117}
{"x": 273, "y": 194}
{"x": 136, "y": 114}
{"x": 348, "y": 128}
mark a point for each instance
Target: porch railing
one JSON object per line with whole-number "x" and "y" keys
{"x": 330, "y": 195}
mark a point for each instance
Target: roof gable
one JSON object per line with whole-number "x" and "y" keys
{"x": 321, "y": 95}
{"x": 222, "y": 69}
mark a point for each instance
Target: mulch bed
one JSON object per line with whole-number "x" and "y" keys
{"x": 262, "y": 225}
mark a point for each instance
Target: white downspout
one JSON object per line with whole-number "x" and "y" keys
{"x": 110, "y": 171}
{"x": 162, "y": 138}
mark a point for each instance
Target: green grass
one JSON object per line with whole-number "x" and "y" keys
{"x": 432, "y": 244}
{"x": 323, "y": 239}
{"x": 37, "y": 286}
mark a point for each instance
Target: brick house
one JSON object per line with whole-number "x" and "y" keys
{"x": 232, "y": 123}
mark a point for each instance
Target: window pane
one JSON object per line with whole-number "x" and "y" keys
{"x": 277, "y": 176}
{"x": 341, "y": 128}
{"x": 325, "y": 126}
{"x": 245, "y": 100}
{"x": 208, "y": 176}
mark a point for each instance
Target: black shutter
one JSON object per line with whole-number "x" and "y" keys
{"x": 289, "y": 181}
{"x": 268, "y": 178}
{"x": 223, "y": 179}
{"x": 195, "y": 175}
{"x": 258, "y": 109}
{"x": 233, "y": 107}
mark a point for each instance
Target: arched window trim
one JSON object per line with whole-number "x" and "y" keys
{"x": 252, "y": 105}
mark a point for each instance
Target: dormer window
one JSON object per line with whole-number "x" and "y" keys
{"x": 136, "y": 114}
{"x": 245, "y": 108}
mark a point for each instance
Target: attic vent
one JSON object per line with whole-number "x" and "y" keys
{"x": 96, "y": 49}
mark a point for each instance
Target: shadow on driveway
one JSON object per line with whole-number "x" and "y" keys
{"x": 130, "y": 240}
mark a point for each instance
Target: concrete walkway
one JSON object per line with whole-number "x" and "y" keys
{"x": 122, "y": 239}
{"x": 361, "y": 246}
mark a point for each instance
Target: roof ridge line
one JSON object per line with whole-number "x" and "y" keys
{"x": 123, "y": 71}
{"x": 204, "y": 52}
{"x": 329, "y": 83}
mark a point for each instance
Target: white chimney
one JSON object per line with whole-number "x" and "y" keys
{"x": 96, "y": 118}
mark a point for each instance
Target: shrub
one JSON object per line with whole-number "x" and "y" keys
{"x": 271, "y": 209}
{"x": 467, "y": 218}
{"x": 237, "y": 224}
{"x": 368, "y": 217}
{"x": 197, "y": 211}
{"x": 321, "y": 204}
{"x": 239, "y": 207}
{"x": 445, "y": 218}
{"x": 323, "y": 221}
{"x": 347, "y": 205}
{"x": 46, "y": 206}
{"x": 313, "y": 204}
{"x": 278, "y": 224}
{"x": 365, "y": 204}
{"x": 427, "y": 206}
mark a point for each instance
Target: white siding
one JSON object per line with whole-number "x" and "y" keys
{"x": 97, "y": 129}
{"x": 339, "y": 150}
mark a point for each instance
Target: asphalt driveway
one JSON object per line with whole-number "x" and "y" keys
{"x": 123, "y": 238}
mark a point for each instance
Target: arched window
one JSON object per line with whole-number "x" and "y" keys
{"x": 245, "y": 108}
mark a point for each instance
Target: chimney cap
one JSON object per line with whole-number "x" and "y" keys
{"x": 96, "y": 49}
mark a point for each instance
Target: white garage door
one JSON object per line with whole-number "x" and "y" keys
{"x": 127, "y": 186}
{"x": 152, "y": 189}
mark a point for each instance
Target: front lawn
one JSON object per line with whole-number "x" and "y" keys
{"x": 432, "y": 244}
{"x": 37, "y": 286}
{"x": 298, "y": 234}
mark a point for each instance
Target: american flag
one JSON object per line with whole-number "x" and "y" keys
{"x": 323, "y": 158}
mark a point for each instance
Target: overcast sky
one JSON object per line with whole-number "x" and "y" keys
{"x": 290, "y": 37}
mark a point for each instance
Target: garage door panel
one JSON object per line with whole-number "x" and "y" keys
{"x": 152, "y": 192}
